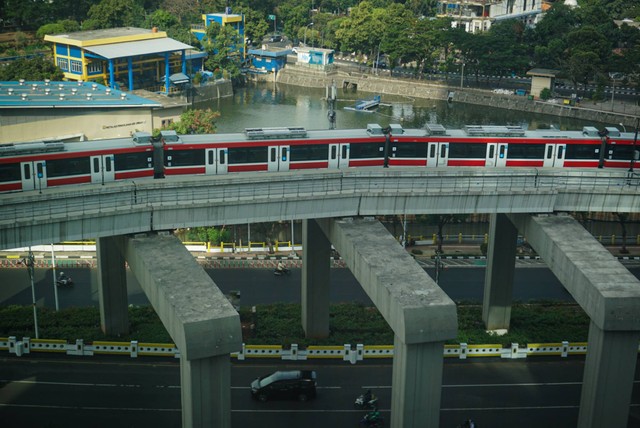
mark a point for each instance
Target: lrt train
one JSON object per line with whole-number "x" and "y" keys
{"x": 38, "y": 165}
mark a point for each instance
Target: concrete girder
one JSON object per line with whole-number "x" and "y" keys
{"x": 601, "y": 285}
{"x": 200, "y": 319}
{"x": 410, "y": 301}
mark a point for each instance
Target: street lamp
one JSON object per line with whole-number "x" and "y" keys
{"x": 614, "y": 77}
{"x": 305, "y": 33}
{"x": 462, "y": 76}
{"x": 623, "y": 127}
{"x": 29, "y": 262}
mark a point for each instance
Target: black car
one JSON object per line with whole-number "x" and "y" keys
{"x": 288, "y": 385}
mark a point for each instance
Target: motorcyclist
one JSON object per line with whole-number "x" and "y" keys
{"x": 280, "y": 268}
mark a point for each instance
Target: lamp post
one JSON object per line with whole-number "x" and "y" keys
{"x": 462, "y": 76}
{"x": 614, "y": 77}
{"x": 624, "y": 128}
{"x": 305, "y": 33}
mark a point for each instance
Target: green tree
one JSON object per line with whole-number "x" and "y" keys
{"x": 222, "y": 43}
{"x": 196, "y": 122}
{"x": 38, "y": 68}
{"x": 114, "y": 14}
{"x": 255, "y": 25}
{"x": 60, "y": 27}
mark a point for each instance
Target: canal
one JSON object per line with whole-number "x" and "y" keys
{"x": 260, "y": 105}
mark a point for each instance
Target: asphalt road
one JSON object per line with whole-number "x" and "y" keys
{"x": 261, "y": 286}
{"x": 117, "y": 391}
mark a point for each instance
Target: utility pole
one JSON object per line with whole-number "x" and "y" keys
{"x": 331, "y": 101}
{"x": 29, "y": 262}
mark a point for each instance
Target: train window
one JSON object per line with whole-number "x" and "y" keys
{"x": 10, "y": 172}
{"x": 107, "y": 163}
{"x": 128, "y": 161}
{"x": 621, "y": 152}
{"x": 409, "y": 150}
{"x": 502, "y": 149}
{"x": 96, "y": 165}
{"x": 223, "y": 157}
{"x": 40, "y": 170}
{"x": 367, "y": 150}
{"x": 492, "y": 151}
{"x": 443, "y": 150}
{"x": 549, "y": 151}
{"x": 178, "y": 158}
{"x": 526, "y": 151}
{"x": 334, "y": 151}
{"x": 27, "y": 171}
{"x": 310, "y": 152}
{"x": 210, "y": 157}
{"x": 344, "y": 151}
{"x": 273, "y": 154}
{"x": 284, "y": 154}
{"x": 238, "y": 155}
{"x": 65, "y": 167}
{"x": 581, "y": 151}
{"x": 432, "y": 151}
{"x": 467, "y": 151}
{"x": 560, "y": 152}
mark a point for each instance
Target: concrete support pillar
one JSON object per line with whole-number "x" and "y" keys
{"x": 498, "y": 282}
{"x": 316, "y": 266}
{"x": 608, "y": 378}
{"x": 205, "y": 392}
{"x": 112, "y": 286}
{"x": 417, "y": 384}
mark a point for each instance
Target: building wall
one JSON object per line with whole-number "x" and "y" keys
{"x": 74, "y": 124}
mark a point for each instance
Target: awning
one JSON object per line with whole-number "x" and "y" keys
{"x": 143, "y": 47}
{"x": 179, "y": 78}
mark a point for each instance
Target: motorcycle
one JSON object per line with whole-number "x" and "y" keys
{"x": 366, "y": 401}
{"x": 280, "y": 272}
{"x": 64, "y": 280}
{"x": 372, "y": 419}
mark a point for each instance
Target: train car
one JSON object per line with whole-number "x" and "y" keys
{"x": 38, "y": 165}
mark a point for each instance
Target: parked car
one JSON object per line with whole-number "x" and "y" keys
{"x": 285, "y": 385}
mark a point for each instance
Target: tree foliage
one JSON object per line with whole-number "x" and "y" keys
{"x": 114, "y": 14}
{"x": 37, "y": 68}
{"x": 196, "y": 122}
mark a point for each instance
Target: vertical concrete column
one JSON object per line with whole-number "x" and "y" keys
{"x": 608, "y": 378}
{"x": 417, "y": 384}
{"x": 498, "y": 282}
{"x": 206, "y": 392}
{"x": 316, "y": 266}
{"x": 112, "y": 286}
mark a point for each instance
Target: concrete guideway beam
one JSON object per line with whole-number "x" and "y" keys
{"x": 601, "y": 285}
{"x": 199, "y": 318}
{"x": 415, "y": 307}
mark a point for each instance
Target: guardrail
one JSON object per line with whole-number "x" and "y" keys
{"x": 347, "y": 352}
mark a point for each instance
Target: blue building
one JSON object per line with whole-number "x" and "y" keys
{"x": 268, "y": 60}
{"x": 234, "y": 20}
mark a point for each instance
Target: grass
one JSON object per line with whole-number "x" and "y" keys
{"x": 279, "y": 324}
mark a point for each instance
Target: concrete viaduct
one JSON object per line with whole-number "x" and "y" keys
{"x": 131, "y": 222}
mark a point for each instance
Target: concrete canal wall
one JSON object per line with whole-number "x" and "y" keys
{"x": 588, "y": 111}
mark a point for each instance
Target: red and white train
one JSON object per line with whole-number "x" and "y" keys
{"x": 38, "y": 165}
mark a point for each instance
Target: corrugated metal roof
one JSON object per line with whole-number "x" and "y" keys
{"x": 40, "y": 94}
{"x": 143, "y": 47}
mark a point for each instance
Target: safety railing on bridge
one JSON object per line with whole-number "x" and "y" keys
{"x": 349, "y": 353}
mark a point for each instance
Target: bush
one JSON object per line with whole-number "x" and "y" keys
{"x": 545, "y": 94}
{"x": 279, "y": 324}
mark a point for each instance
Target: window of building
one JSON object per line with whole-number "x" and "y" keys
{"x": 76, "y": 66}
{"x": 94, "y": 67}
{"x": 63, "y": 64}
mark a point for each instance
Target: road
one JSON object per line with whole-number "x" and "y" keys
{"x": 108, "y": 392}
{"x": 258, "y": 286}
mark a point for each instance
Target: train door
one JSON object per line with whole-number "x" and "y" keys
{"x": 554, "y": 154}
{"x": 437, "y": 154}
{"x": 34, "y": 175}
{"x": 278, "y": 158}
{"x": 338, "y": 156}
{"x": 491, "y": 154}
{"x": 102, "y": 170}
{"x": 501, "y": 154}
{"x": 215, "y": 161}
